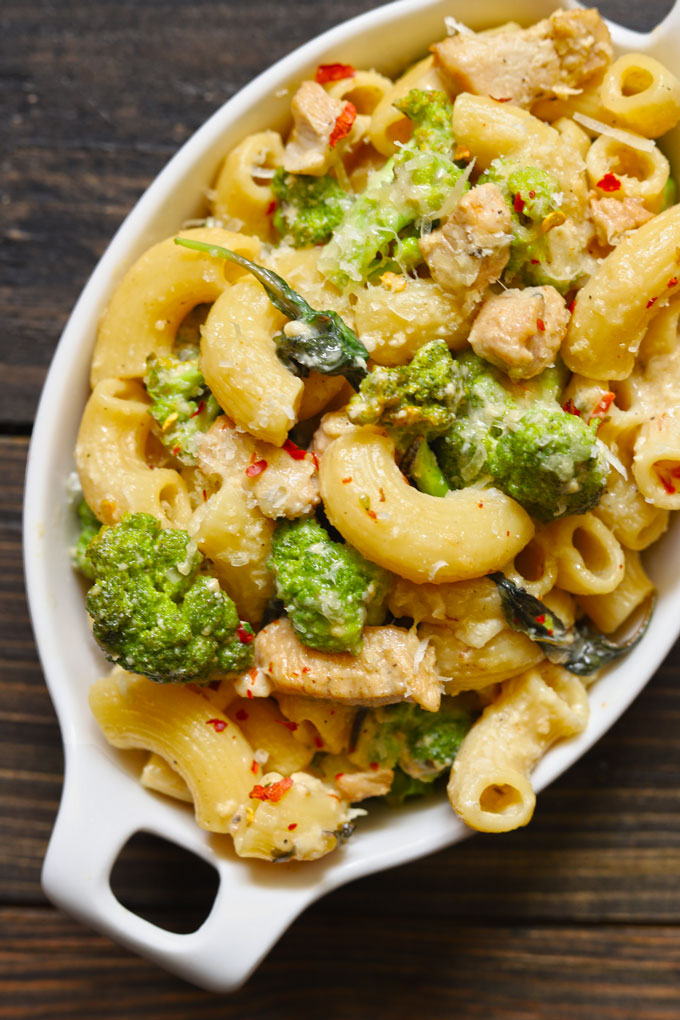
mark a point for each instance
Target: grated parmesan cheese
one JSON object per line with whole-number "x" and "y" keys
{"x": 625, "y": 137}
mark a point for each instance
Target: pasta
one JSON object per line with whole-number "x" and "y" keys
{"x": 372, "y": 452}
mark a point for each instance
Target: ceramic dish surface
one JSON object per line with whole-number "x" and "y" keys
{"x": 103, "y": 803}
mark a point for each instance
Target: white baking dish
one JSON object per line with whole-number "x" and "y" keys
{"x": 103, "y": 803}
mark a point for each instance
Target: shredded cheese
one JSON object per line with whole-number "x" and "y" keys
{"x": 625, "y": 137}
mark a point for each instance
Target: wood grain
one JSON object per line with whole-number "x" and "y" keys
{"x": 578, "y": 915}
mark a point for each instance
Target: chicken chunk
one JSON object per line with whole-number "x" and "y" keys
{"x": 355, "y": 786}
{"x": 472, "y": 247}
{"x": 393, "y": 665}
{"x": 614, "y": 217}
{"x": 521, "y": 331}
{"x": 314, "y": 116}
{"x": 556, "y": 57}
{"x": 280, "y": 484}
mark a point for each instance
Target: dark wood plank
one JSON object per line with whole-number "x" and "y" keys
{"x": 356, "y": 966}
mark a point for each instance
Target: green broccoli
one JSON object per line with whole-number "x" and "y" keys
{"x": 154, "y": 613}
{"x": 421, "y": 466}
{"x": 318, "y": 341}
{"x": 182, "y": 405}
{"x": 405, "y": 786}
{"x": 328, "y": 589}
{"x": 422, "y": 744}
{"x": 418, "y": 400}
{"x": 550, "y": 463}
{"x": 532, "y": 195}
{"x": 402, "y": 196}
{"x": 308, "y": 208}
{"x": 89, "y": 527}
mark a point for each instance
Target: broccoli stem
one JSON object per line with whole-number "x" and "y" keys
{"x": 420, "y": 464}
{"x": 327, "y": 346}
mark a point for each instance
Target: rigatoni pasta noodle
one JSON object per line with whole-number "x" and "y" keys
{"x": 373, "y": 449}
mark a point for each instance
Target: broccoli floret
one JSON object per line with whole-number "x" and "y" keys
{"x": 406, "y": 193}
{"x": 89, "y": 527}
{"x": 182, "y": 405}
{"x": 328, "y": 589}
{"x": 311, "y": 341}
{"x": 154, "y": 613}
{"x": 405, "y": 786}
{"x": 422, "y": 744}
{"x": 550, "y": 463}
{"x": 308, "y": 208}
{"x": 532, "y": 195}
{"x": 418, "y": 400}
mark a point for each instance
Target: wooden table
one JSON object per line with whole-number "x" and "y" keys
{"x": 578, "y": 916}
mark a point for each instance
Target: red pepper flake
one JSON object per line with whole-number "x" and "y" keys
{"x": 668, "y": 486}
{"x": 338, "y": 775}
{"x": 205, "y": 496}
{"x": 374, "y": 766}
{"x": 609, "y": 182}
{"x": 241, "y": 715}
{"x": 504, "y": 99}
{"x": 256, "y": 468}
{"x": 603, "y": 405}
{"x": 294, "y": 451}
{"x": 218, "y": 724}
{"x": 272, "y": 791}
{"x": 532, "y": 194}
{"x": 518, "y": 203}
{"x": 175, "y": 451}
{"x": 541, "y": 618}
{"x": 481, "y": 506}
{"x": 315, "y": 459}
{"x": 650, "y": 302}
{"x": 675, "y": 473}
{"x": 673, "y": 282}
{"x": 292, "y": 726}
{"x": 333, "y": 72}
{"x": 198, "y": 409}
{"x": 293, "y": 825}
{"x": 541, "y": 325}
{"x": 571, "y": 408}
{"x": 346, "y": 481}
{"x": 318, "y": 741}
{"x": 535, "y": 262}
{"x": 372, "y": 514}
{"x": 306, "y": 669}
{"x": 550, "y": 631}
{"x": 271, "y": 208}
{"x": 254, "y": 767}
{"x": 571, "y": 306}
{"x": 249, "y": 694}
{"x": 343, "y": 124}
{"x": 244, "y": 636}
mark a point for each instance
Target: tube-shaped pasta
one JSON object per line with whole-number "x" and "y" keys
{"x": 641, "y": 95}
{"x": 365, "y": 90}
{"x": 656, "y": 463}
{"x": 610, "y": 611}
{"x": 394, "y": 324}
{"x": 232, "y": 532}
{"x": 264, "y": 727}
{"x": 589, "y": 559}
{"x": 613, "y": 310}
{"x": 239, "y": 362}
{"x": 631, "y": 519}
{"x": 243, "y": 191}
{"x": 155, "y": 294}
{"x": 423, "y": 538}
{"x": 159, "y": 776}
{"x": 175, "y": 722}
{"x": 466, "y": 667}
{"x": 388, "y": 125}
{"x": 115, "y": 475}
{"x": 332, "y": 720}
{"x": 641, "y": 175}
{"x": 489, "y": 786}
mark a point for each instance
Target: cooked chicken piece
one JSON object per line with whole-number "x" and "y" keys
{"x": 472, "y": 247}
{"x": 355, "y": 786}
{"x": 332, "y": 425}
{"x": 521, "y": 331}
{"x": 614, "y": 217}
{"x": 393, "y": 665}
{"x": 314, "y": 116}
{"x": 282, "y": 485}
{"x": 556, "y": 57}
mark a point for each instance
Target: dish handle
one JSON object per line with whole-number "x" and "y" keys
{"x": 90, "y": 831}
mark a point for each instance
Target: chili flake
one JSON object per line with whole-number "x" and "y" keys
{"x": 241, "y": 715}
{"x": 272, "y": 791}
{"x": 343, "y": 124}
{"x": 293, "y": 825}
{"x": 244, "y": 636}
{"x": 338, "y": 775}
{"x": 292, "y": 726}
{"x": 333, "y": 72}
{"x": 603, "y": 406}
{"x": 673, "y": 282}
{"x": 540, "y": 618}
{"x": 541, "y": 325}
{"x": 198, "y": 409}
{"x": 318, "y": 741}
{"x": 254, "y": 767}
{"x": 571, "y": 305}
{"x": 346, "y": 481}
{"x": 315, "y": 459}
{"x": 610, "y": 182}
{"x": 650, "y": 302}
{"x": 218, "y": 724}
{"x": 518, "y": 203}
{"x": 571, "y": 408}
{"x": 294, "y": 451}
{"x": 256, "y": 468}
{"x": 668, "y": 486}
{"x": 271, "y": 208}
